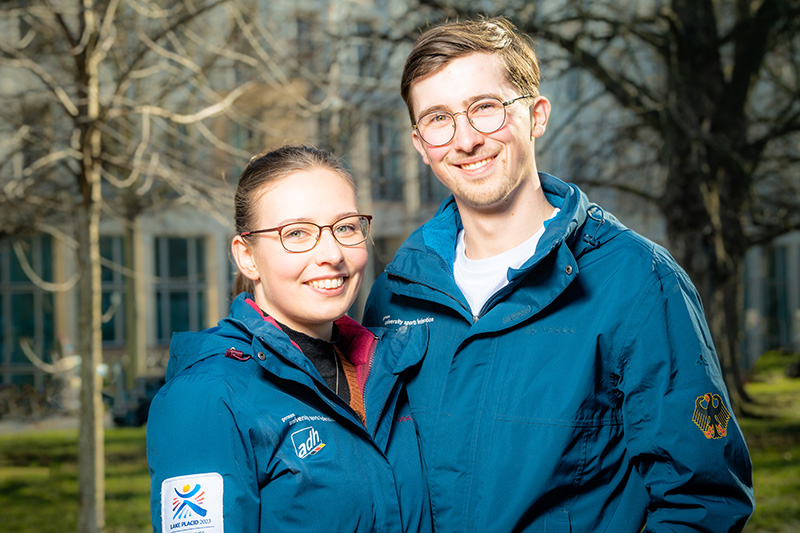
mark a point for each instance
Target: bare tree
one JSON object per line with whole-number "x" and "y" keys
{"x": 108, "y": 109}
{"x": 697, "y": 113}
{"x": 120, "y": 107}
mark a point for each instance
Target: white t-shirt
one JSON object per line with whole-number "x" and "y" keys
{"x": 479, "y": 279}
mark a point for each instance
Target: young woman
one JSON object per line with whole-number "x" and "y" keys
{"x": 288, "y": 415}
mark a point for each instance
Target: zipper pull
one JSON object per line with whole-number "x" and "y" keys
{"x": 233, "y": 353}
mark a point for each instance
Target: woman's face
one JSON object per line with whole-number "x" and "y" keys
{"x": 291, "y": 287}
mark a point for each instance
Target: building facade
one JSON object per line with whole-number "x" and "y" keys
{"x": 324, "y": 79}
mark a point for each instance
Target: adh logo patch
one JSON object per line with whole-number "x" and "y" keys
{"x": 306, "y": 442}
{"x": 711, "y": 416}
{"x": 192, "y": 503}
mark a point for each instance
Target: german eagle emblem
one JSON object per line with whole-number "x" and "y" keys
{"x": 711, "y": 416}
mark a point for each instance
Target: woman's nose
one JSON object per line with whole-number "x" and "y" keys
{"x": 328, "y": 249}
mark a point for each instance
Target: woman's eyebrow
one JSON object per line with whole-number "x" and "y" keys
{"x": 309, "y": 219}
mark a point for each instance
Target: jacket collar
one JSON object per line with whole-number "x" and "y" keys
{"x": 246, "y": 330}
{"x": 427, "y": 257}
{"x": 438, "y": 236}
{"x": 576, "y": 213}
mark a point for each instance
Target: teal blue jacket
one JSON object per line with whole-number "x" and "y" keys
{"x": 586, "y": 396}
{"x": 255, "y": 440}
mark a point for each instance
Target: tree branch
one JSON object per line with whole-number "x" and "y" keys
{"x": 18, "y": 59}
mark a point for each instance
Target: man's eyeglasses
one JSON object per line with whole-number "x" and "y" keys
{"x": 299, "y": 237}
{"x": 486, "y": 115}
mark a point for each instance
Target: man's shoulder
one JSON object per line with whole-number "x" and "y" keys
{"x": 632, "y": 253}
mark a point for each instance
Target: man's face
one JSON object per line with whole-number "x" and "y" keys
{"x": 482, "y": 170}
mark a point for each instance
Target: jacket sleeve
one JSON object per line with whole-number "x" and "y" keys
{"x": 681, "y": 432}
{"x": 192, "y": 435}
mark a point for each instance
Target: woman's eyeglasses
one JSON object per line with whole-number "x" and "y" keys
{"x": 298, "y": 237}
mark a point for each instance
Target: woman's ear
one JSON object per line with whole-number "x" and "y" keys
{"x": 243, "y": 256}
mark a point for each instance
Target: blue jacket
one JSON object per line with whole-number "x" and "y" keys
{"x": 585, "y": 397}
{"x": 257, "y": 440}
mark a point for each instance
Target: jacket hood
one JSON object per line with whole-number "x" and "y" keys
{"x": 235, "y": 331}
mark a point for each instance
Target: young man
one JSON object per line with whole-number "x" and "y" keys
{"x": 570, "y": 382}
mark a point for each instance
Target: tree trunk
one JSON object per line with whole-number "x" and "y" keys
{"x": 91, "y": 463}
{"x": 705, "y": 191}
{"x": 725, "y": 322}
{"x": 707, "y": 240}
{"x": 91, "y": 454}
{"x": 131, "y": 305}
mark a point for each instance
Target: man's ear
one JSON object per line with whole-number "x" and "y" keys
{"x": 540, "y": 113}
{"x": 420, "y": 145}
{"x": 244, "y": 258}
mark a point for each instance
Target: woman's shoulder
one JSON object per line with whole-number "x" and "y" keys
{"x": 211, "y": 373}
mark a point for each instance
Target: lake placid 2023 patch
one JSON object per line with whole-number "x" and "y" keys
{"x": 192, "y": 503}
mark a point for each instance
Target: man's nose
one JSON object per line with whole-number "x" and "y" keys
{"x": 466, "y": 137}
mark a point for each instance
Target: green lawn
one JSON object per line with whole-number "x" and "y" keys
{"x": 39, "y": 487}
{"x": 773, "y": 436}
{"x": 38, "y": 470}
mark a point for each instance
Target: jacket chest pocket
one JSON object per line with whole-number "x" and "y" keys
{"x": 550, "y": 383}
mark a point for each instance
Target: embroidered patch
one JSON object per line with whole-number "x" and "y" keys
{"x": 192, "y": 503}
{"x": 306, "y": 442}
{"x": 711, "y": 416}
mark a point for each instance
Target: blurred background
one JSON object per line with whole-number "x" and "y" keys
{"x": 125, "y": 123}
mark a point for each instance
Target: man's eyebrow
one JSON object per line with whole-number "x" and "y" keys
{"x": 464, "y": 104}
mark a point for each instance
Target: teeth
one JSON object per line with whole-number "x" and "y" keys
{"x": 476, "y": 165}
{"x": 334, "y": 283}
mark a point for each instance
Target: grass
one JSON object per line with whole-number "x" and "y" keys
{"x": 39, "y": 481}
{"x": 38, "y": 469}
{"x": 772, "y": 432}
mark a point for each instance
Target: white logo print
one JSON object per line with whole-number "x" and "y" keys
{"x": 306, "y": 442}
{"x": 388, "y": 320}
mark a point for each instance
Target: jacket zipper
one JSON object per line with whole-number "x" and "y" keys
{"x": 337, "y": 399}
{"x": 372, "y": 350}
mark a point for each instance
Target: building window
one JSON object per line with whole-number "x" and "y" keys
{"x": 574, "y": 84}
{"x": 244, "y": 138}
{"x": 181, "y": 285}
{"x": 387, "y": 158}
{"x": 113, "y": 287}
{"x": 26, "y": 309}
{"x": 776, "y": 298}
{"x": 23, "y": 26}
{"x": 431, "y": 190}
{"x": 364, "y": 50}
{"x": 308, "y": 48}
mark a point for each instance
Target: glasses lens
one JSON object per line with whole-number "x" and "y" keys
{"x": 351, "y": 231}
{"x": 487, "y": 115}
{"x": 436, "y": 128}
{"x": 300, "y": 237}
